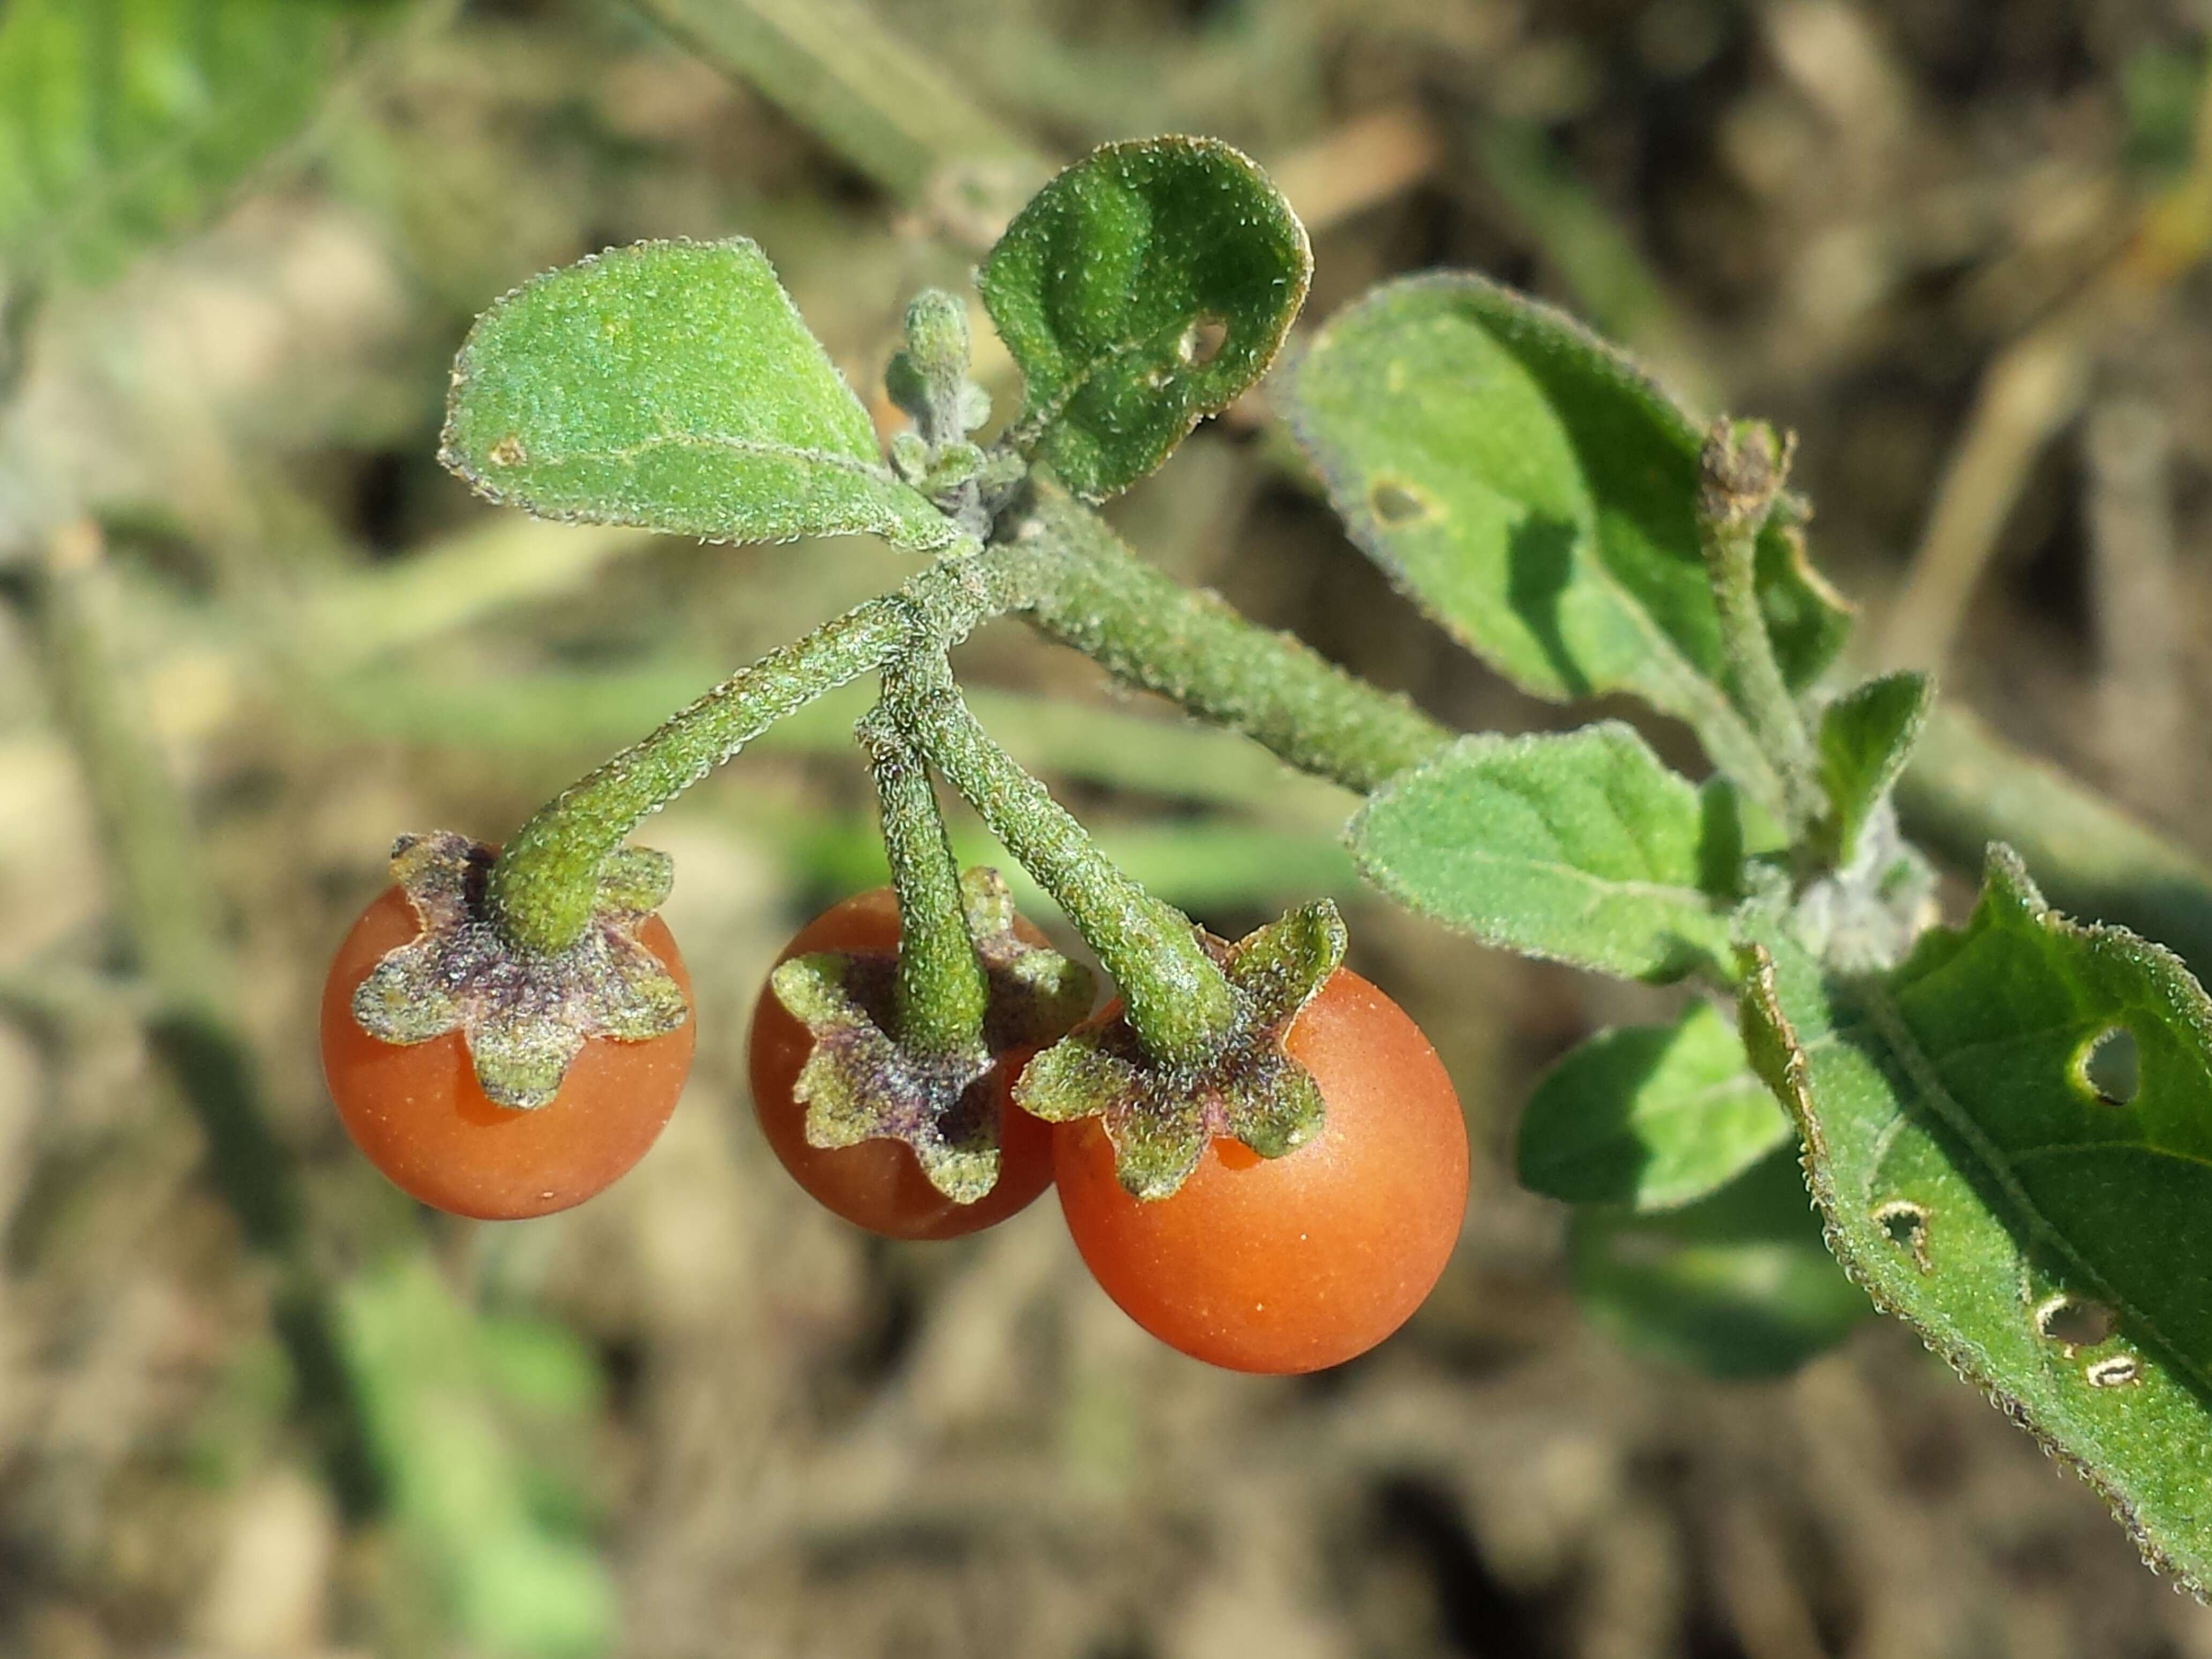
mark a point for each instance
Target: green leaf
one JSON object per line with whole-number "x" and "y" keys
{"x": 1736, "y": 1285}
{"x": 124, "y": 123}
{"x": 1146, "y": 285}
{"x": 1990, "y": 1171}
{"x": 1581, "y": 849}
{"x": 1535, "y": 493}
{"x": 1650, "y": 1117}
{"x": 1866, "y": 737}
{"x": 672, "y": 385}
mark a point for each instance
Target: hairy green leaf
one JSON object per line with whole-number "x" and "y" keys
{"x": 124, "y": 123}
{"x": 672, "y": 385}
{"x": 1535, "y": 493}
{"x": 2010, "y": 1137}
{"x": 1736, "y": 1285}
{"x": 1649, "y": 1116}
{"x": 1146, "y": 285}
{"x": 1866, "y": 737}
{"x": 1583, "y": 849}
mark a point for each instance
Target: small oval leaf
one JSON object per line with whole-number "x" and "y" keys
{"x": 1648, "y": 1116}
{"x": 1535, "y": 492}
{"x": 1144, "y": 287}
{"x": 672, "y": 385}
{"x": 1866, "y": 737}
{"x": 1581, "y": 849}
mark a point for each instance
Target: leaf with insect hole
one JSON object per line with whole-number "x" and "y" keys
{"x": 1143, "y": 289}
{"x": 1535, "y": 492}
{"x": 2010, "y": 1139}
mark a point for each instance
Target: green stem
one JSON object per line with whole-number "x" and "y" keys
{"x": 1144, "y": 626}
{"x": 1179, "y": 1003}
{"x": 941, "y": 992}
{"x": 1743, "y": 471}
{"x": 1067, "y": 570}
{"x": 542, "y": 889}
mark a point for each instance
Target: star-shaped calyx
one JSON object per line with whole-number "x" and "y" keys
{"x": 860, "y": 1083}
{"x": 523, "y": 1015}
{"x": 1160, "y": 1117}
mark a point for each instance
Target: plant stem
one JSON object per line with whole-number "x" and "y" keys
{"x": 543, "y": 887}
{"x": 1179, "y": 1003}
{"x": 1144, "y": 626}
{"x": 941, "y": 992}
{"x": 1068, "y": 571}
{"x": 1742, "y": 470}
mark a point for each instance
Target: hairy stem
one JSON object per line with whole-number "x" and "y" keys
{"x": 1178, "y": 1002}
{"x": 1144, "y": 627}
{"x": 941, "y": 992}
{"x": 542, "y": 887}
{"x": 1061, "y": 565}
{"x": 1742, "y": 468}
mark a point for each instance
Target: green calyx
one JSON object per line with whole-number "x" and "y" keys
{"x": 525, "y": 1015}
{"x": 860, "y": 1083}
{"x": 1160, "y": 1116}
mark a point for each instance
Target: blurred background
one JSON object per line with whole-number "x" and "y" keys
{"x": 253, "y": 1403}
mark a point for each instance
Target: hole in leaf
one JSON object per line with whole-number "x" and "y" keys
{"x": 2114, "y": 1373}
{"x": 1393, "y": 502}
{"x": 2111, "y": 1066}
{"x": 1906, "y": 1225}
{"x": 2073, "y": 1323}
{"x": 1202, "y": 341}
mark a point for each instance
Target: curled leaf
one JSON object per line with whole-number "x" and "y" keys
{"x": 1145, "y": 286}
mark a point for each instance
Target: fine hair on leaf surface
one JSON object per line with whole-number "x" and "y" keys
{"x": 672, "y": 385}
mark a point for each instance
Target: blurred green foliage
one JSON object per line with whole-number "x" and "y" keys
{"x": 125, "y": 121}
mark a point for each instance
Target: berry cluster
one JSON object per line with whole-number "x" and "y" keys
{"x": 1279, "y": 1264}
